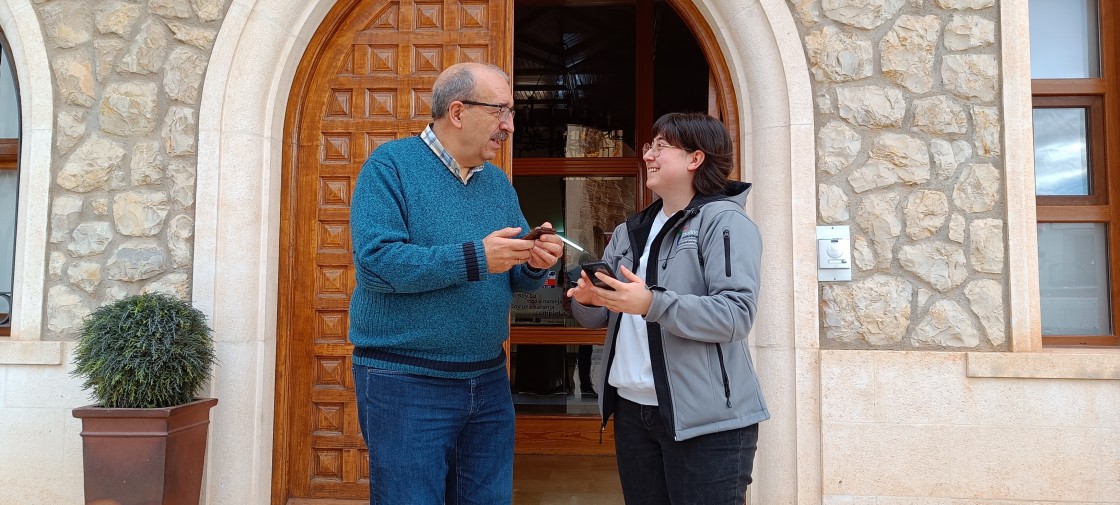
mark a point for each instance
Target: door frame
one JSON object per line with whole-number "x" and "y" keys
{"x": 237, "y": 230}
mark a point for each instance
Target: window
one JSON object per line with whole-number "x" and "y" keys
{"x": 1077, "y": 168}
{"x": 9, "y": 184}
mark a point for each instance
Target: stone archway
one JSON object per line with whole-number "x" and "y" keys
{"x": 241, "y": 127}
{"x": 29, "y": 59}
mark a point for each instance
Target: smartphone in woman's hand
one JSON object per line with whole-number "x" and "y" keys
{"x": 598, "y": 266}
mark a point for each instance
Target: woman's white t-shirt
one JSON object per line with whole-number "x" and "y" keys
{"x": 631, "y": 372}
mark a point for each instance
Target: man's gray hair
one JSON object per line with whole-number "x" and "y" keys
{"x": 457, "y": 84}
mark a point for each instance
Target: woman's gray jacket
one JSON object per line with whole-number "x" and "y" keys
{"x": 705, "y": 282}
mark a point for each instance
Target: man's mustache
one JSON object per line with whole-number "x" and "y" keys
{"x": 500, "y": 136}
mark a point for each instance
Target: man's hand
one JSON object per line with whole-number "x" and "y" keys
{"x": 504, "y": 252}
{"x": 546, "y": 250}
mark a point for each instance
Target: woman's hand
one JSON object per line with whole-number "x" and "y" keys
{"x": 629, "y": 296}
{"x": 584, "y": 292}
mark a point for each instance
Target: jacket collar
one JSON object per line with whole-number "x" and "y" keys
{"x": 736, "y": 191}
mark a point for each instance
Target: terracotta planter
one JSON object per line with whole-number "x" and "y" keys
{"x": 144, "y": 456}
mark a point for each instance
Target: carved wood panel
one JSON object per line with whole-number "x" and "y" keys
{"x": 369, "y": 83}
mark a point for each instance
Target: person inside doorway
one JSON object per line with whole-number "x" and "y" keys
{"x": 677, "y": 376}
{"x": 435, "y": 229}
{"x": 586, "y": 389}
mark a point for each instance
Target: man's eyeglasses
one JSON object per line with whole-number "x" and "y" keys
{"x": 504, "y": 112}
{"x": 655, "y": 149}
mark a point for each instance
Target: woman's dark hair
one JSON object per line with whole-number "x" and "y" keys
{"x": 694, "y": 131}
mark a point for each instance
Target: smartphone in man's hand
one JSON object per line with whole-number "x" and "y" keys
{"x": 538, "y": 232}
{"x": 598, "y": 266}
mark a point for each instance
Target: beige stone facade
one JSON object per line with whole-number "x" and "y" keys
{"x": 151, "y": 161}
{"x": 910, "y": 157}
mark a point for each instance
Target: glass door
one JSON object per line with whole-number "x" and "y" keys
{"x": 589, "y": 79}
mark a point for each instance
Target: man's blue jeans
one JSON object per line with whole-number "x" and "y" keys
{"x": 434, "y": 441}
{"x": 712, "y": 469}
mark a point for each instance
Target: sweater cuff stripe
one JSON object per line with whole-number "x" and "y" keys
{"x": 470, "y": 257}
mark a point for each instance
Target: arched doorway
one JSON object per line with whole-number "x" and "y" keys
{"x": 365, "y": 79}
{"x": 338, "y": 464}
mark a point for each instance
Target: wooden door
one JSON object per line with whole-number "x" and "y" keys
{"x": 365, "y": 79}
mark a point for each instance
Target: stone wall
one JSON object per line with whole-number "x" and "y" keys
{"x": 909, "y": 155}
{"x": 127, "y": 77}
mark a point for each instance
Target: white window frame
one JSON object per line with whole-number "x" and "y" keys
{"x": 1028, "y": 358}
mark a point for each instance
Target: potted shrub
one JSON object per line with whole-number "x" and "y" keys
{"x": 144, "y": 358}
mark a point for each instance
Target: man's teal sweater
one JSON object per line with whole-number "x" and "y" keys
{"x": 424, "y": 301}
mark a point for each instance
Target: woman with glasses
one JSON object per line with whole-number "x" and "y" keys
{"x": 678, "y": 378}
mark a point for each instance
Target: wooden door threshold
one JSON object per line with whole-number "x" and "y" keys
{"x": 563, "y": 435}
{"x": 324, "y": 501}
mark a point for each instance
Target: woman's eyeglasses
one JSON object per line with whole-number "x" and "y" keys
{"x": 504, "y": 112}
{"x": 655, "y": 149}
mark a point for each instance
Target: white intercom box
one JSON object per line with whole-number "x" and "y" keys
{"x": 834, "y": 253}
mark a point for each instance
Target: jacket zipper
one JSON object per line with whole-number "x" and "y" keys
{"x": 723, "y": 371}
{"x": 609, "y": 394}
{"x": 727, "y": 251}
{"x": 719, "y": 348}
{"x": 653, "y": 330}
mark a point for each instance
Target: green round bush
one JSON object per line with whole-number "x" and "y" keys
{"x": 145, "y": 351}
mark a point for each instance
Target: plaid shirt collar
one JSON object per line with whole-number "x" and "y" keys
{"x": 429, "y": 137}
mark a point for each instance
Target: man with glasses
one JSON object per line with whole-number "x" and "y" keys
{"x": 435, "y": 230}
